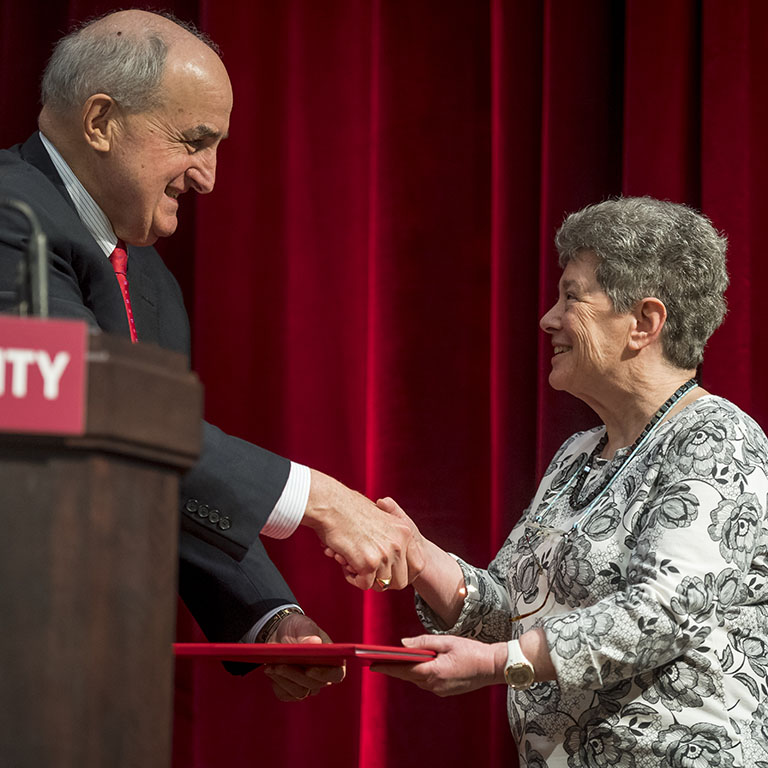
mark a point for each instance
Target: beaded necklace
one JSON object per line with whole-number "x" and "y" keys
{"x": 586, "y": 468}
{"x": 580, "y": 476}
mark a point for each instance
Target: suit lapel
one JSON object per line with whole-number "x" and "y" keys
{"x": 103, "y": 290}
{"x": 34, "y": 153}
{"x": 143, "y": 297}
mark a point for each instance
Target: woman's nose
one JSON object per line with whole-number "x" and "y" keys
{"x": 550, "y": 320}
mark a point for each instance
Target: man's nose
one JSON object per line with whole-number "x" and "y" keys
{"x": 202, "y": 175}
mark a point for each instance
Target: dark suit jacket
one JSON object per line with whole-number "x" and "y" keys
{"x": 225, "y": 577}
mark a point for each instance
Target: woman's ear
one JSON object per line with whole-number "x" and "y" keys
{"x": 100, "y": 115}
{"x": 649, "y": 314}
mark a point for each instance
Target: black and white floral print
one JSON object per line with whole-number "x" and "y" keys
{"x": 679, "y": 684}
{"x": 655, "y": 607}
{"x": 737, "y": 526}
{"x": 702, "y": 744}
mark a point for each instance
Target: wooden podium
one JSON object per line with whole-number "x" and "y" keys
{"x": 88, "y": 562}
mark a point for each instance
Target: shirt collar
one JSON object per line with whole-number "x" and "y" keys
{"x": 94, "y": 219}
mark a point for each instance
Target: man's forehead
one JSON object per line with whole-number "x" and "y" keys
{"x": 197, "y": 99}
{"x": 194, "y": 71}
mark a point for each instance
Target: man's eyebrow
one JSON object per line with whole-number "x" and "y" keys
{"x": 203, "y": 131}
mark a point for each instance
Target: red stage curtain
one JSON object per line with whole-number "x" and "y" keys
{"x": 365, "y": 283}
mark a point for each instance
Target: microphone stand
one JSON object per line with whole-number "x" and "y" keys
{"x": 33, "y": 269}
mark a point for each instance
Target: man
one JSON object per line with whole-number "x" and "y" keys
{"x": 135, "y": 105}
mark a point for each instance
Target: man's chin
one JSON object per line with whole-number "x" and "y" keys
{"x": 144, "y": 237}
{"x": 161, "y": 230}
{"x": 140, "y": 241}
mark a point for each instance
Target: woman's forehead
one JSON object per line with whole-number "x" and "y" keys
{"x": 580, "y": 271}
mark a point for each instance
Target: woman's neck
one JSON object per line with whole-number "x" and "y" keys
{"x": 626, "y": 409}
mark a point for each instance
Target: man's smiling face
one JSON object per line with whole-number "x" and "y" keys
{"x": 160, "y": 154}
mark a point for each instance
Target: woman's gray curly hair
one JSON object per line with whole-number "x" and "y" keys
{"x": 654, "y": 248}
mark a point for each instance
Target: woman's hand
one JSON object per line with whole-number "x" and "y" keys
{"x": 401, "y": 574}
{"x": 462, "y": 665}
{"x": 434, "y": 574}
{"x": 415, "y": 555}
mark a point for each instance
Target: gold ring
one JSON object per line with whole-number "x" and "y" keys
{"x": 383, "y": 583}
{"x": 301, "y": 698}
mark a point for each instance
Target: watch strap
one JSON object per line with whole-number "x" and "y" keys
{"x": 519, "y": 673}
{"x": 266, "y": 631}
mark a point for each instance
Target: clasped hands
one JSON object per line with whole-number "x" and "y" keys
{"x": 378, "y": 546}
{"x": 402, "y": 568}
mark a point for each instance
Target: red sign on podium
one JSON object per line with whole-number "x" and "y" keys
{"x": 42, "y": 375}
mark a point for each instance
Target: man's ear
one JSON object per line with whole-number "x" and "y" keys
{"x": 649, "y": 314}
{"x": 100, "y": 117}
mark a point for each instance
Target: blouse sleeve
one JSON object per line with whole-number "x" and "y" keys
{"x": 485, "y": 614}
{"x": 698, "y": 543}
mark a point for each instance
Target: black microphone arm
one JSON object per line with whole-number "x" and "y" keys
{"x": 33, "y": 269}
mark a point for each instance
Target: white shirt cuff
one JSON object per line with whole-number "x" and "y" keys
{"x": 251, "y": 635}
{"x": 290, "y": 507}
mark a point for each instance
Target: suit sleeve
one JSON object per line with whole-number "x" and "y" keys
{"x": 228, "y": 495}
{"x": 227, "y": 597}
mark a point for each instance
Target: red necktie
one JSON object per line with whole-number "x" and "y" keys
{"x": 119, "y": 261}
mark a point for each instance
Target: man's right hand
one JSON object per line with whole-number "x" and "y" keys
{"x": 293, "y": 682}
{"x": 379, "y": 549}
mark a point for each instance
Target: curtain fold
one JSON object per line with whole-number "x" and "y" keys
{"x": 732, "y": 190}
{"x": 365, "y": 283}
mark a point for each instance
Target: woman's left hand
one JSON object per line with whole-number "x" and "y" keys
{"x": 461, "y": 665}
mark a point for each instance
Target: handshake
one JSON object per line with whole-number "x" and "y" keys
{"x": 377, "y": 545}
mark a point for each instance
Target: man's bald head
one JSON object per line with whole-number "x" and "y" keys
{"x": 137, "y": 104}
{"x": 122, "y": 54}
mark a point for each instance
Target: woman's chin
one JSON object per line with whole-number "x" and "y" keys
{"x": 556, "y": 380}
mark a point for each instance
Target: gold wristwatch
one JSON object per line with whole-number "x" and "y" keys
{"x": 519, "y": 672}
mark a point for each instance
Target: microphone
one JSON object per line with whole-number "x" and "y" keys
{"x": 32, "y": 282}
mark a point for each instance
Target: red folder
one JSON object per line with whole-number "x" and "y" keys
{"x": 306, "y": 654}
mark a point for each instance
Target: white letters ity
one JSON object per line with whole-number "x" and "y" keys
{"x": 19, "y": 361}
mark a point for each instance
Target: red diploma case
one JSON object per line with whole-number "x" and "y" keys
{"x": 305, "y": 654}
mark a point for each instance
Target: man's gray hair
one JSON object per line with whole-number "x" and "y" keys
{"x": 128, "y": 67}
{"x": 653, "y": 248}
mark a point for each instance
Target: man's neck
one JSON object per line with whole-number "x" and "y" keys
{"x": 92, "y": 216}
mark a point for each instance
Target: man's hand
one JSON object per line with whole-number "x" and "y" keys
{"x": 462, "y": 665}
{"x": 292, "y": 682}
{"x": 376, "y": 547}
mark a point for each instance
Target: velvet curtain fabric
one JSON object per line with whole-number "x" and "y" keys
{"x": 365, "y": 282}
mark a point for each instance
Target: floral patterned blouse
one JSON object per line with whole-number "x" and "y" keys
{"x": 655, "y": 608}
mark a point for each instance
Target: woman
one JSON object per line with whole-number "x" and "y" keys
{"x": 627, "y": 609}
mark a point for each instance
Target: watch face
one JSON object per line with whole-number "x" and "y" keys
{"x": 519, "y": 675}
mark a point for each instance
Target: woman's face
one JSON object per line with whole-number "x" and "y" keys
{"x": 589, "y": 338}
